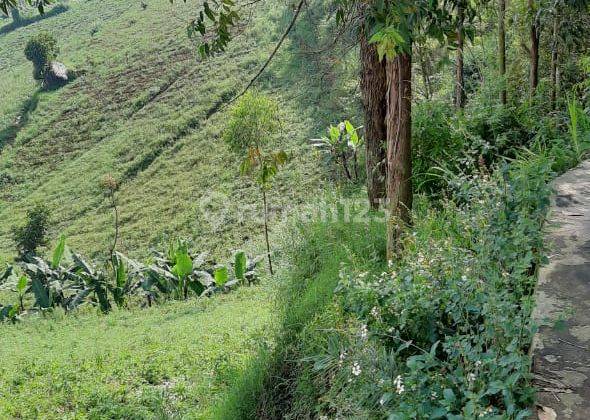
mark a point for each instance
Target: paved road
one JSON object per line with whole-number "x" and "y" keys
{"x": 561, "y": 350}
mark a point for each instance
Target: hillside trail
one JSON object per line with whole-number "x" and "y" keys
{"x": 561, "y": 348}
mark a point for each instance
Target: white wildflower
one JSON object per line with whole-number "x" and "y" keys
{"x": 399, "y": 385}
{"x": 364, "y": 332}
{"x": 375, "y": 312}
{"x": 471, "y": 377}
{"x": 356, "y": 369}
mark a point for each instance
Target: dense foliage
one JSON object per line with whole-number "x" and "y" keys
{"x": 41, "y": 49}
{"x": 68, "y": 281}
{"x": 32, "y": 234}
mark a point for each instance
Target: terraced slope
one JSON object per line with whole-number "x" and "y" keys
{"x": 149, "y": 112}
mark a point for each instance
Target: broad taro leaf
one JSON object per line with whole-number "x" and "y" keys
{"x": 240, "y": 265}
{"x": 221, "y": 275}
{"x": 184, "y": 264}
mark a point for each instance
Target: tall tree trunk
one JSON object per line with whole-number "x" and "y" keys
{"x": 459, "y": 74}
{"x": 399, "y": 148}
{"x": 502, "y": 49}
{"x": 374, "y": 93}
{"x": 535, "y": 38}
{"x": 554, "y": 58}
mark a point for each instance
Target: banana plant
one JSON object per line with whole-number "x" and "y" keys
{"x": 127, "y": 278}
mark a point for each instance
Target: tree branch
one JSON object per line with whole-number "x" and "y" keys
{"x": 274, "y": 52}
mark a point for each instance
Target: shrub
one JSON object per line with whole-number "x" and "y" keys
{"x": 41, "y": 49}
{"x": 445, "y": 331}
{"x": 33, "y": 233}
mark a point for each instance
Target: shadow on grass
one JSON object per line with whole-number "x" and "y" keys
{"x": 8, "y": 134}
{"x": 29, "y": 20}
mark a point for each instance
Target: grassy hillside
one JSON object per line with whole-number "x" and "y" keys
{"x": 149, "y": 112}
{"x": 170, "y": 361}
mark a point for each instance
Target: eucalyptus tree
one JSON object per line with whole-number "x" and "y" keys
{"x": 391, "y": 27}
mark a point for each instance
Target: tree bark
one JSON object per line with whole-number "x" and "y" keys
{"x": 399, "y": 148}
{"x": 374, "y": 94}
{"x": 459, "y": 74}
{"x": 502, "y": 49}
{"x": 535, "y": 38}
{"x": 554, "y": 57}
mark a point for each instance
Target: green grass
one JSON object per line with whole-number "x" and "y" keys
{"x": 145, "y": 110}
{"x": 149, "y": 112}
{"x": 174, "y": 360}
{"x": 276, "y": 383}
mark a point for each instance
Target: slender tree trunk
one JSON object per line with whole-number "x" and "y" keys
{"x": 459, "y": 74}
{"x": 266, "y": 231}
{"x": 399, "y": 148}
{"x": 502, "y": 49}
{"x": 535, "y": 38}
{"x": 554, "y": 57}
{"x": 374, "y": 93}
{"x": 425, "y": 75}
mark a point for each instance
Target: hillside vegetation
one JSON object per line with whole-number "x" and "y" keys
{"x": 147, "y": 111}
{"x": 406, "y": 238}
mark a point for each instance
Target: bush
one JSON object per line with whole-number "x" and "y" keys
{"x": 41, "y": 49}
{"x": 33, "y": 234}
{"x": 445, "y": 331}
{"x": 254, "y": 121}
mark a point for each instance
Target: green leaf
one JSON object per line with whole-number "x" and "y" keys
{"x": 58, "y": 252}
{"x": 449, "y": 395}
{"x": 121, "y": 274}
{"x": 240, "y": 263}
{"x": 21, "y": 285}
{"x": 42, "y": 298}
{"x": 184, "y": 264}
{"x": 221, "y": 275}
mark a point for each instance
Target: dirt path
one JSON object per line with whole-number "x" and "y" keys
{"x": 561, "y": 350}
